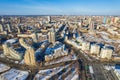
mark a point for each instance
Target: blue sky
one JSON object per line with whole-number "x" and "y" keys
{"x": 59, "y": 7}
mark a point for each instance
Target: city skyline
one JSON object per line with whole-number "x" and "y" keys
{"x": 60, "y": 7}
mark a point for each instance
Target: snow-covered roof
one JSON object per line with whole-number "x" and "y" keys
{"x": 12, "y": 41}
{"x": 14, "y": 74}
{"x": 3, "y": 67}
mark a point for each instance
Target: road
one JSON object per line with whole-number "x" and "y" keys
{"x": 99, "y": 72}
{"x": 109, "y": 74}
{"x": 33, "y": 70}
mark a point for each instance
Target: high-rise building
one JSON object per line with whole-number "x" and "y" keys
{"x": 15, "y": 54}
{"x": 106, "y": 53}
{"x": 116, "y": 19}
{"x": 29, "y": 57}
{"x": 85, "y": 46}
{"x": 1, "y": 28}
{"x": 95, "y": 49}
{"x": 23, "y": 43}
{"x": 89, "y": 20}
{"x": 18, "y": 28}
{"x": 6, "y": 49}
{"x": 52, "y": 36}
{"x": 9, "y": 27}
{"x": 91, "y": 26}
{"x": 108, "y": 20}
{"x": 10, "y": 52}
{"x": 2, "y": 20}
{"x": 49, "y": 19}
{"x": 105, "y": 20}
{"x": 34, "y": 37}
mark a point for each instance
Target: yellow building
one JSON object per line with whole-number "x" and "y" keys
{"x": 106, "y": 53}
{"x": 6, "y": 49}
{"x": 52, "y": 36}
{"x": 10, "y": 52}
{"x": 95, "y": 49}
{"x": 29, "y": 57}
{"x": 1, "y": 28}
{"x": 85, "y": 46}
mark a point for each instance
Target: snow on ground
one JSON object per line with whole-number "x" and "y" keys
{"x": 115, "y": 69}
{"x": 63, "y": 59}
{"x": 104, "y": 38}
{"x": 22, "y": 62}
{"x": 108, "y": 67}
{"x": 75, "y": 77}
{"x": 3, "y": 67}
{"x": 48, "y": 73}
{"x": 91, "y": 69}
{"x": 11, "y": 41}
{"x": 14, "y": 74}
{"x": 70, "y": 76}
{"x": 68, "y": 69}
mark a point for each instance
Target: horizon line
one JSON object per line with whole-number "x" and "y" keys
{"x": 55, "y": 15}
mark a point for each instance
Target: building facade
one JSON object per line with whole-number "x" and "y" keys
{"x": 52, "y": 36}
{"x": 106, "y": 53}
{"x": 95, "y": 49}
{"x": 29, "y": 57}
